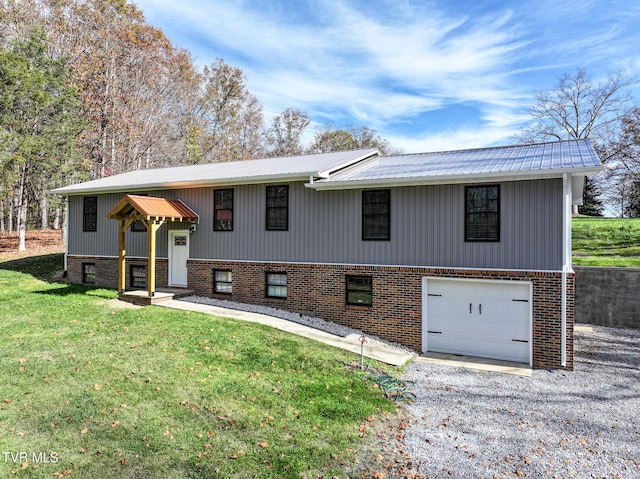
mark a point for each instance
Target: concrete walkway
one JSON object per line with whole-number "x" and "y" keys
{"x": 380, "y": 352}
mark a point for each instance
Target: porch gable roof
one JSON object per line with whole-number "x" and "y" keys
{"x": 153, "y": 208}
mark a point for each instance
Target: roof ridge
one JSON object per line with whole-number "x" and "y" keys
{"x": 498, "y": 147}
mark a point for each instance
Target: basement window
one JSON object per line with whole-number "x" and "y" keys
{"x": 138, "y": 276}
{"x": 360, "y": 290}
{"x": 276, "y": 285}
{"x": 222, "y": 281}
{"x": 88, "y": 273}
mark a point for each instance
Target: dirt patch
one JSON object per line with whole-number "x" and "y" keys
{"x": 118, "y": 304}
{"x": 38, "y": 242}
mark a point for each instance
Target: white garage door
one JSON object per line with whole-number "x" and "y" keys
{"x": 483, "y": 318}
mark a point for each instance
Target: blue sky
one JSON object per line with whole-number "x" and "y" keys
{"x": 427, "y": 75}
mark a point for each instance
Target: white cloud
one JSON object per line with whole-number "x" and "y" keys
{"x": 384, "y": 62}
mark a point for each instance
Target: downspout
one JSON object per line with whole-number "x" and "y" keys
{"x": 65, "y": 236}
{"x": 566, "y": 260}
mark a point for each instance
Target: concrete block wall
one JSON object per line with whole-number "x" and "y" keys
{"x": 608, "y": 296}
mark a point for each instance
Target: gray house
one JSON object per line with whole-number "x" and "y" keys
{"x": 464, "y": 252}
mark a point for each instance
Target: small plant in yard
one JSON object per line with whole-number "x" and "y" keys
{"x": 94, "y": 391}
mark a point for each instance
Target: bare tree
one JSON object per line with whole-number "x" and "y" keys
{"x": 579, "y": 108}
{"x": 284, "y": 137}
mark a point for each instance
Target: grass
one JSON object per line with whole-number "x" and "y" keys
{"x": 97, "y": 391}
{"x": 606, "y": 242}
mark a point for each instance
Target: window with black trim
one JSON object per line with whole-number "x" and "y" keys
{"x": 223, "y": 210}
{"x": 482, "y": 213}
{"x": 89, "y": 273}
{"x": 138, "y": 276}
{"x": 360, "y": 290}
{"x": 376, "y": 215}
{"x": 222, "y": 281}
{"x": 276, "y": 285}
{"x": 278, "y": 208}
{"x": 90, "y": 213}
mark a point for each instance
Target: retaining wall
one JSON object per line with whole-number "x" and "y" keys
{"x": 607, "y": 296}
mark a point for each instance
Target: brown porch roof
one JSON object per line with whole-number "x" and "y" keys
{"x": 152, "y": 208}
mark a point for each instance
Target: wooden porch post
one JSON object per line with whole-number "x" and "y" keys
{"x": 151, "y": 269}
{"x": 121, "y": 255}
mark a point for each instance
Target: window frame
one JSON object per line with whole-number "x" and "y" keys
{"x": 270, "y": 284}
{"x": 491, "y": 224}
{"x": 132, "y": 277}
{"x": 272, "y": 223}
{"x": 90, "y": 218}
{"x": 349, "y": 289}
{"x": 86, "y": 274}
{"x": 369, "y": 228}
{"x": 229, "y": 282}
{"x": 218, "y": 224}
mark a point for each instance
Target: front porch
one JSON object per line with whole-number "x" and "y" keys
{"x": 142, "y": 298}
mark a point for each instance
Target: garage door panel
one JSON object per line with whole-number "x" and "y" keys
{"x": 439, "y": 343}
{"x": 482, "y": 318}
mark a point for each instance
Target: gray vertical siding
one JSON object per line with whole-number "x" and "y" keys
{"x": 427, "y": 228}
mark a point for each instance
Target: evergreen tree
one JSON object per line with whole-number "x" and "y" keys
{"x": 39, "y": 124}
{"x": 591, "y": 203}
{"x": 632, "y": 209}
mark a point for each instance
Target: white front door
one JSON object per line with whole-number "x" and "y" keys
{"x": 178, "y": 255}
{"x": 483, "y": 318}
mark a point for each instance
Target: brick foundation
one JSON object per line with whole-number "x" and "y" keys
{"x": 396, "y": 313}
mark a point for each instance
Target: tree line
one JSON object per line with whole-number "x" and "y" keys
{"x": 88, "y": 89}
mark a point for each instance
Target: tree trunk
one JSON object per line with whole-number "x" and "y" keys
{"x": 44, "y": 213}
{"x": 2, "y": 222}
{"x": 11, "y": 215}
{"x": 22, "y": 211}
{"x": 56, "y": 218}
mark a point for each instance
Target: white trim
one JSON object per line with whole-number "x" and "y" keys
{"x": 310, "y": 263}
{"x": 567, "y": 200}
{"x": 112, "y": 257}
{"x": 66, "y": 236}
{"x": 374, "y": 265}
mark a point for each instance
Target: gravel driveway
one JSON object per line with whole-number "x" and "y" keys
{"x": 558, "y": 424}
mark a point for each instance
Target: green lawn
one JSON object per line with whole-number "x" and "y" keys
{"x": 97, "y": 391}
{"x": 606, "y": 242}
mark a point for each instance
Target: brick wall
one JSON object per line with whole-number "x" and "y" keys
{"x": 107, "y": 270}
{"x": 396, "y": 313}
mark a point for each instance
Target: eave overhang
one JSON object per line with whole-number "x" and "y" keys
{"x": 327, "y": 185}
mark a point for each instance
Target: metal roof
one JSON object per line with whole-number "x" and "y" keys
{"x": 483, "y": 164}
{"x": 152, "y": 208}
{"x": 365, "y": 168}
{"x": 236, "y": 172}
